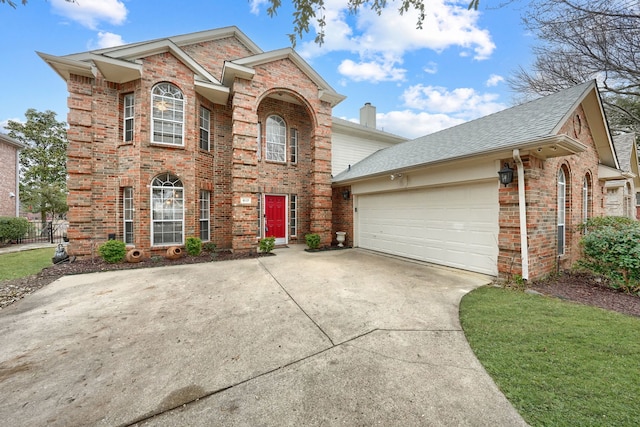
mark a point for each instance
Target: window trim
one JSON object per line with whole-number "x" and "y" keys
{"x": 128, "y": 116}
{"x": 205, "y": 215}
{"x": 166, "y": 102}
{"x": 278, "y": 140}
{"x": 170, "y": 190}
{"x": 293, "y": 146}
{"x": 293, "y": 215}
{"x": 128, "y": 216}
{"x": 204, "y": 128}
{"x": 260, "y": 215}
{"x": 562, "y": 211}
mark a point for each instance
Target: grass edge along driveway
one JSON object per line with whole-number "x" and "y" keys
{"x": 557, "y": 362}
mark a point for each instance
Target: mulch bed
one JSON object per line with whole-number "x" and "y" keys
{"x": 585, "y": 288}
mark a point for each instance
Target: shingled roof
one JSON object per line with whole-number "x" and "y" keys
{"x": 510, "y": 128}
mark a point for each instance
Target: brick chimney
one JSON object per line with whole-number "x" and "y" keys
{"x": 368, "y": 116}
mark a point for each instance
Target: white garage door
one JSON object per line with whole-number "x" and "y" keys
{"x": 455, "y": 226}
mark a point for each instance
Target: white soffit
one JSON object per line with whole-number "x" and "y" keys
{"x": 65, "y": 67}
{"x": 117, "y": 71}
{"x": 606, "y": 173}
{"x": 215, "y": 93}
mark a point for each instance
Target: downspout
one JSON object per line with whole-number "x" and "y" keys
{"x": 522, "y": 203}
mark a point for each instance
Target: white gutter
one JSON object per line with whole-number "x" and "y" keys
{"x": 522, "y": 202}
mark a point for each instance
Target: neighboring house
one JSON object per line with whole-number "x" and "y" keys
{"x": 438, "y": 199}
{"x": 621, "y": 194}
{"x": 202, "y": 135}
{"x": 9, "y": 176}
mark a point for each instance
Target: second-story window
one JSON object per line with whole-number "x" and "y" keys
{"x": 276, "y": 139}
{"x": 293, "y": 146}
{"x": 205, "y": 123}
{"x": 128, "y": 114}
{"x": 168, "y": 114}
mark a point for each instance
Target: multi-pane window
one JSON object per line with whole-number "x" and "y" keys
{"x": 586, "y": 199}
{"x": 205, "y": 121}
{"x": 562, "y": 199}
{"x": 205, "y": 218}
{"x": 259, "y": 215}
{"x": 167, "y": 201}
{"x": 127, "y": 215}
{"x": 276, "y": 139}
{"x": 128, "y": 114}
{"x": 293, "y": 215}
{"x": 168, "y": 114}
{"x": 293, "y": 146}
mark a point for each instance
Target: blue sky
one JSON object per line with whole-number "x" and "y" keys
{"x": 420, "y": 81}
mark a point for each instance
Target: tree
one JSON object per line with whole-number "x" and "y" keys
{"x": 307, "y": 10}
{"x": 43, "y": 171}
{"x": 585, "y": 39}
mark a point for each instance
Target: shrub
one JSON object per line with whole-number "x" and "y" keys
{"x": 267, "y": 244}
{"x": 611, "y": 248}
{"x": 209, "y": 247}
{"x": 193, "y": 245}
{"x": 12, "y": 228}
{"x": 113, "y": 251}
{"x": 313, "y": 240}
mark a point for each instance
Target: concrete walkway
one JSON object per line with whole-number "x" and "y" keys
{"x": 316, "y": 339}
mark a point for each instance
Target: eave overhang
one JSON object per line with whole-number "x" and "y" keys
{"x": 215, "y": 93}
{"x": 543, "y": 148}
{"x": 65, "y": 67}
{"x": 116, "y": 70}
{"x": 607, "y": 173}
{"x": 231, "y": 70}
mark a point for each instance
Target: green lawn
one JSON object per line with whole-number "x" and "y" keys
{"x": 25, "y": 263}
{"x": 559, "y": 363}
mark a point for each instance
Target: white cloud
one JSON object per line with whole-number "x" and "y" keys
{"x": 106, "y": 39}
{"x": 493, "y": 80}
{"x": 255, "y": 6}
{"x": 371, "y": 71}
{"x": 90, "y": 12}
{"x": 465, "y": 103}
{"x": 413, "y": 124}
{"x": 431, "y": 68}
{"x": 385, "y": 39}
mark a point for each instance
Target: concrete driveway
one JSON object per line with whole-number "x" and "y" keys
{"x": 331, "y": 338}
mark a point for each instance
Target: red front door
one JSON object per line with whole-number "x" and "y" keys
{"x": 275, "y": 217}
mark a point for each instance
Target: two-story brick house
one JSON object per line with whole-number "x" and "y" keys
{"x": 199, "y": 135}
{"x": 9, "y": 177}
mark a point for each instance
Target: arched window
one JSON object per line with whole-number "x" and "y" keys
{"x": 168, "y": 114}
{"x": 167, "y": 201}
{"x": 586, "y": 198}
{"x": 276, "y": 139}
{"x": 562, "y": 209}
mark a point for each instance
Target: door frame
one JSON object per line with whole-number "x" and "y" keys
{"x": 263, "y": 222}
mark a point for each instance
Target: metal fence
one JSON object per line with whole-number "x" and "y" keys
{"x": 47, "y": 232}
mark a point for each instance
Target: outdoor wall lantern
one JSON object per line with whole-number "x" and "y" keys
{"x": 506, "y": 175}
{"x": 346, "y": 194}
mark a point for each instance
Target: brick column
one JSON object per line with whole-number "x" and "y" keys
{"x": 244, "y": 172}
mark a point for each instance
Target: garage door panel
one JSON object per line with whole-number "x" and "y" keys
{"x": 455, "y": 226}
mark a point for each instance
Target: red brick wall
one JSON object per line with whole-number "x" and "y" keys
{"x": 8, "y": 157}
{"x": 541, "y": 196}
{"x": 342, "y": 214}
{"x": 100, "y": 164}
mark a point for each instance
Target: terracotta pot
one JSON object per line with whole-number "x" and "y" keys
{"x": 174, "y": 252}
{"x": 134, "y": 255}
